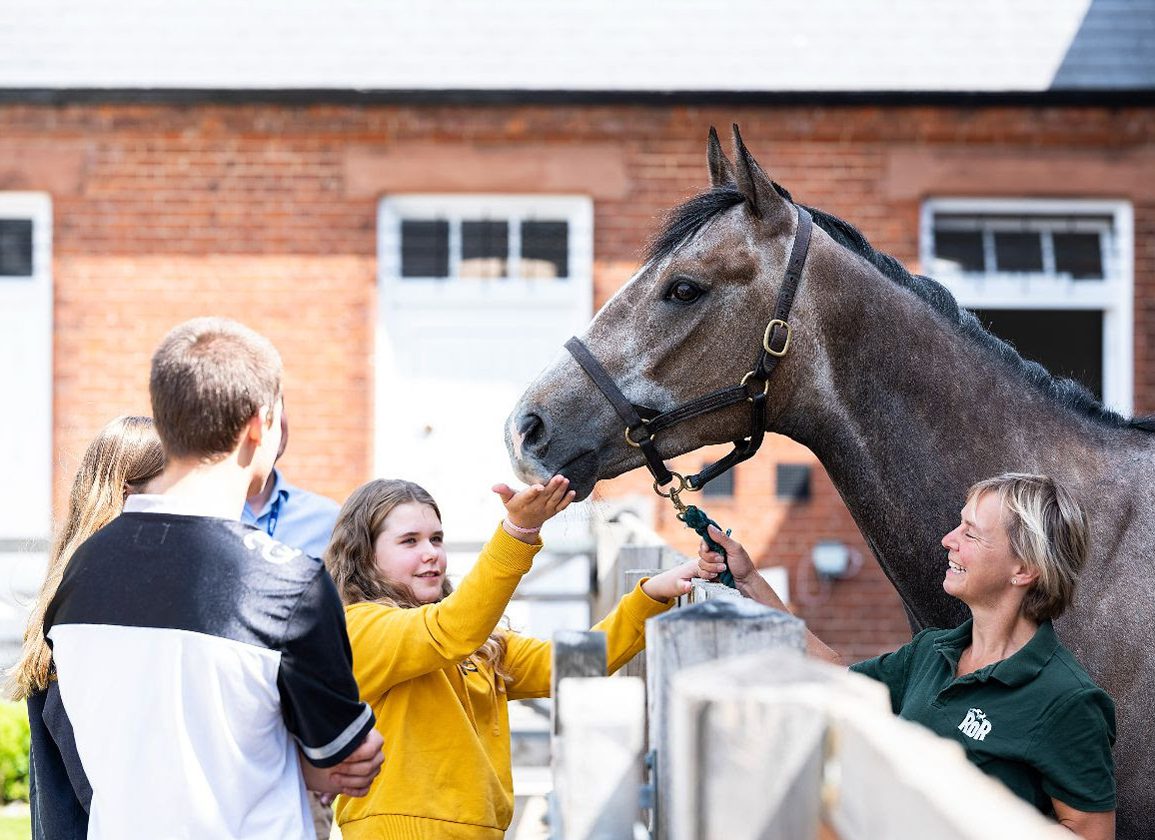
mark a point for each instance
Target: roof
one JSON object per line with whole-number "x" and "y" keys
{"x": 662, "y": 46}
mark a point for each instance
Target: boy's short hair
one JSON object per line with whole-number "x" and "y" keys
{"x": 209, "y": 377}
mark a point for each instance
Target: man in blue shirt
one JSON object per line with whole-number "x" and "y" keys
{"x": 289, "y": 514}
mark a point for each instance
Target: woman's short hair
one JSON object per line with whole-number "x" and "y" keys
{"x": 1047, "y": 529}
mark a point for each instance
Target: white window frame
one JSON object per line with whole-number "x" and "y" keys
{"x": 30, "y": 298}
{"x": 1114, "y": 295}
{"x": 576, "y": 210}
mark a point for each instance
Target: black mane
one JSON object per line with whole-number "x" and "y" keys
{"x": 694, "y": 215}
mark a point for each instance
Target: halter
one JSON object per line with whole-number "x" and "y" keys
{"x": 643, "y": 424}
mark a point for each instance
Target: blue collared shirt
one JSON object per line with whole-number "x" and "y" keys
{"x": 295, "y": 517}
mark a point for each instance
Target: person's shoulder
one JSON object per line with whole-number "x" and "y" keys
{"x": 301, "y": 496}
{"x": 1066, "y": 673}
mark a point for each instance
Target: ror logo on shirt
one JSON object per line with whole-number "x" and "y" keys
{"x": 975, "y": 725}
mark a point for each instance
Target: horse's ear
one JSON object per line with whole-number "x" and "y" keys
{"x": 761, "y": 197}
{"x": 721, "y": 172}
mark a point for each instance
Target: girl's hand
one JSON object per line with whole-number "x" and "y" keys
{"x": 671, "y": 583}
{"x": 531, "y": 507}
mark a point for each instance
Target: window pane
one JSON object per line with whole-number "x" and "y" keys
{"x": 544, "y": 249}
{"x": 1078, "y": 254}
{"x": 424, "y": 249}
{"x": 1018, "y": 251}
{"x": 722, "y": 486}
{"x": 963, "y": 248}
{"x": 484, "y": 249}
{"x": 15, "y": 247}
{"x": 792, "y": 482}
{"x": 1067, "y": 342}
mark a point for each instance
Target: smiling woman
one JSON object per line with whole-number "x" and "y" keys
{"x": 1001, "y": 684}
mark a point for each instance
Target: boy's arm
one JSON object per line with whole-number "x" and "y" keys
{"x": 393, "y": 645}
{"x": 319, "y": 697}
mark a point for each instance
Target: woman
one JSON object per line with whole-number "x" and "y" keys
{"x": 120, "y": 461}
{"x": 1001, "y": 684}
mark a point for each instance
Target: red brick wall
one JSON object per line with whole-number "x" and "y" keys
{"x": 268, "y": 214}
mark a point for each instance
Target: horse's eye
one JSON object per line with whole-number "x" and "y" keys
{"x": 683, "y": 291}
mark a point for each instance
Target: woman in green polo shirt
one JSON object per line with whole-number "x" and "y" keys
{"x": 1001, "y": 684}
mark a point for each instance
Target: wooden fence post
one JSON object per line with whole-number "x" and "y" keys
{"x": 707, "y": 590}
{"x": 690, "y": 636}
{"x": 769, "y": 746}
{"x": 574, "y": 653}
{"x": 748, "y": 744}
{"x": 600, "y": 757}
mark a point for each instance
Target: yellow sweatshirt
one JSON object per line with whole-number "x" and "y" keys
{"x": 445, "y": 722}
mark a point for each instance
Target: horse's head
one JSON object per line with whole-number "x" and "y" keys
{"x": 691, "y": 321}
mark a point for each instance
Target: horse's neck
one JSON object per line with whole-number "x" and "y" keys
{"x": 906, "y": 412}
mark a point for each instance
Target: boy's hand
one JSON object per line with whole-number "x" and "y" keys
{"x": 531, "y": 507}
{"x": 711, "y": 563}
{"x": 672, "y": 582}
{"x": 353, "y": 776}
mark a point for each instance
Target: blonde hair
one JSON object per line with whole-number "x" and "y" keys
{"x": 209, "y": 377}
{"x": 351, "y": 557}
{"x": 1047, "y": 529}
{"x": 121, "y": 460}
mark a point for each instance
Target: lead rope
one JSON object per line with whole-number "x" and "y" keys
{"x": 696, "y": 520}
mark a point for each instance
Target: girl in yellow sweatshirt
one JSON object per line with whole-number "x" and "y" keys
{"x": 433, "y": 664}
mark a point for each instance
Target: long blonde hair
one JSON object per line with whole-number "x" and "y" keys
{"x": 121, "y": 460}
{"x": 351, "y": 557}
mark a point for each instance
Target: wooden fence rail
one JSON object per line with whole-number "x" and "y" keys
{"x": 776, "y": 746}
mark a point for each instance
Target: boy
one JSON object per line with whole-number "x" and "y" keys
{"x": 189, "y": 647}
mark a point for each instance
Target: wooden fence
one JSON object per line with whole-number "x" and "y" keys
{"x": 734, "y": 734}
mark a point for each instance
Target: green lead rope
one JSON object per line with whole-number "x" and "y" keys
{"x": 696, "y": 519}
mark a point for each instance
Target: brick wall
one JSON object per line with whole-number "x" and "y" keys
{"x": 268, "y": 214}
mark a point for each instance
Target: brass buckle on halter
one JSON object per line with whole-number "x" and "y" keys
{"x": 777, "y": 322}
{"x": 675, "y": 491}
{"x": 765, "y": 384}
{"x": 633, "y": 442}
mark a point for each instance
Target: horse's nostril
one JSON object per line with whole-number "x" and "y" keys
{"x": 532, "y": 429}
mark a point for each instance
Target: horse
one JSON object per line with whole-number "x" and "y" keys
{"x": 901, "y": 394}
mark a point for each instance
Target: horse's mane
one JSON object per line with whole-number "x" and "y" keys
{"x": 691, "y": 217}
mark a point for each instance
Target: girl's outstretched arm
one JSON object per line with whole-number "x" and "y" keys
{"x": 528, "y": 660}
{"x": 393, "y": 644}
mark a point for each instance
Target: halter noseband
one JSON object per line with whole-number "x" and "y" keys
{"x": 642, "y": 423}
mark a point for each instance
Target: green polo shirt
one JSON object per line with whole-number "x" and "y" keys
{"x": 1035, "y": 721}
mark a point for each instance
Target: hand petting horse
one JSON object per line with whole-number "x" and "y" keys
{"x": 902, "y": 395}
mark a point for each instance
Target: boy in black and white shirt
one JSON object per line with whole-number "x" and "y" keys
{"x": 204, "y": 666}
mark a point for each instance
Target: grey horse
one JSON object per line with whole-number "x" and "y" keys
{"x": 902, "y": 395}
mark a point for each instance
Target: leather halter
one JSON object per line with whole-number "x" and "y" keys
{"x": 643, "y": 424}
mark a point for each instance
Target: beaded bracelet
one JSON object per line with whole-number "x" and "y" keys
{"x": 519, "y": 529}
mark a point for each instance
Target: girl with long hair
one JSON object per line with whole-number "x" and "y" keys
{"x": 435, "y": 666}
{"x": 123, "y": 458}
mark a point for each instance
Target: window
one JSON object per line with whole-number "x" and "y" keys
{"x": 460, "y": 238}
{"x": 721, "y": 487}
{"x": 477, "y": 293}
{"x": 792, "y": 482}
{"x": 1051, "y": 277}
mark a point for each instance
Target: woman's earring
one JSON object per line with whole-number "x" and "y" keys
{"x": 1015, "y": 581}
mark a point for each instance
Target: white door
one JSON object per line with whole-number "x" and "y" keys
{"x": 477, "y": 295}
{"x": 26, "y": 421}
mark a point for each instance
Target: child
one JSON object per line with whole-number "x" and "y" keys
{"x": 204, "y": 666}
{"x": 121, "y": 460}
{"x": 433, "y": 666}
